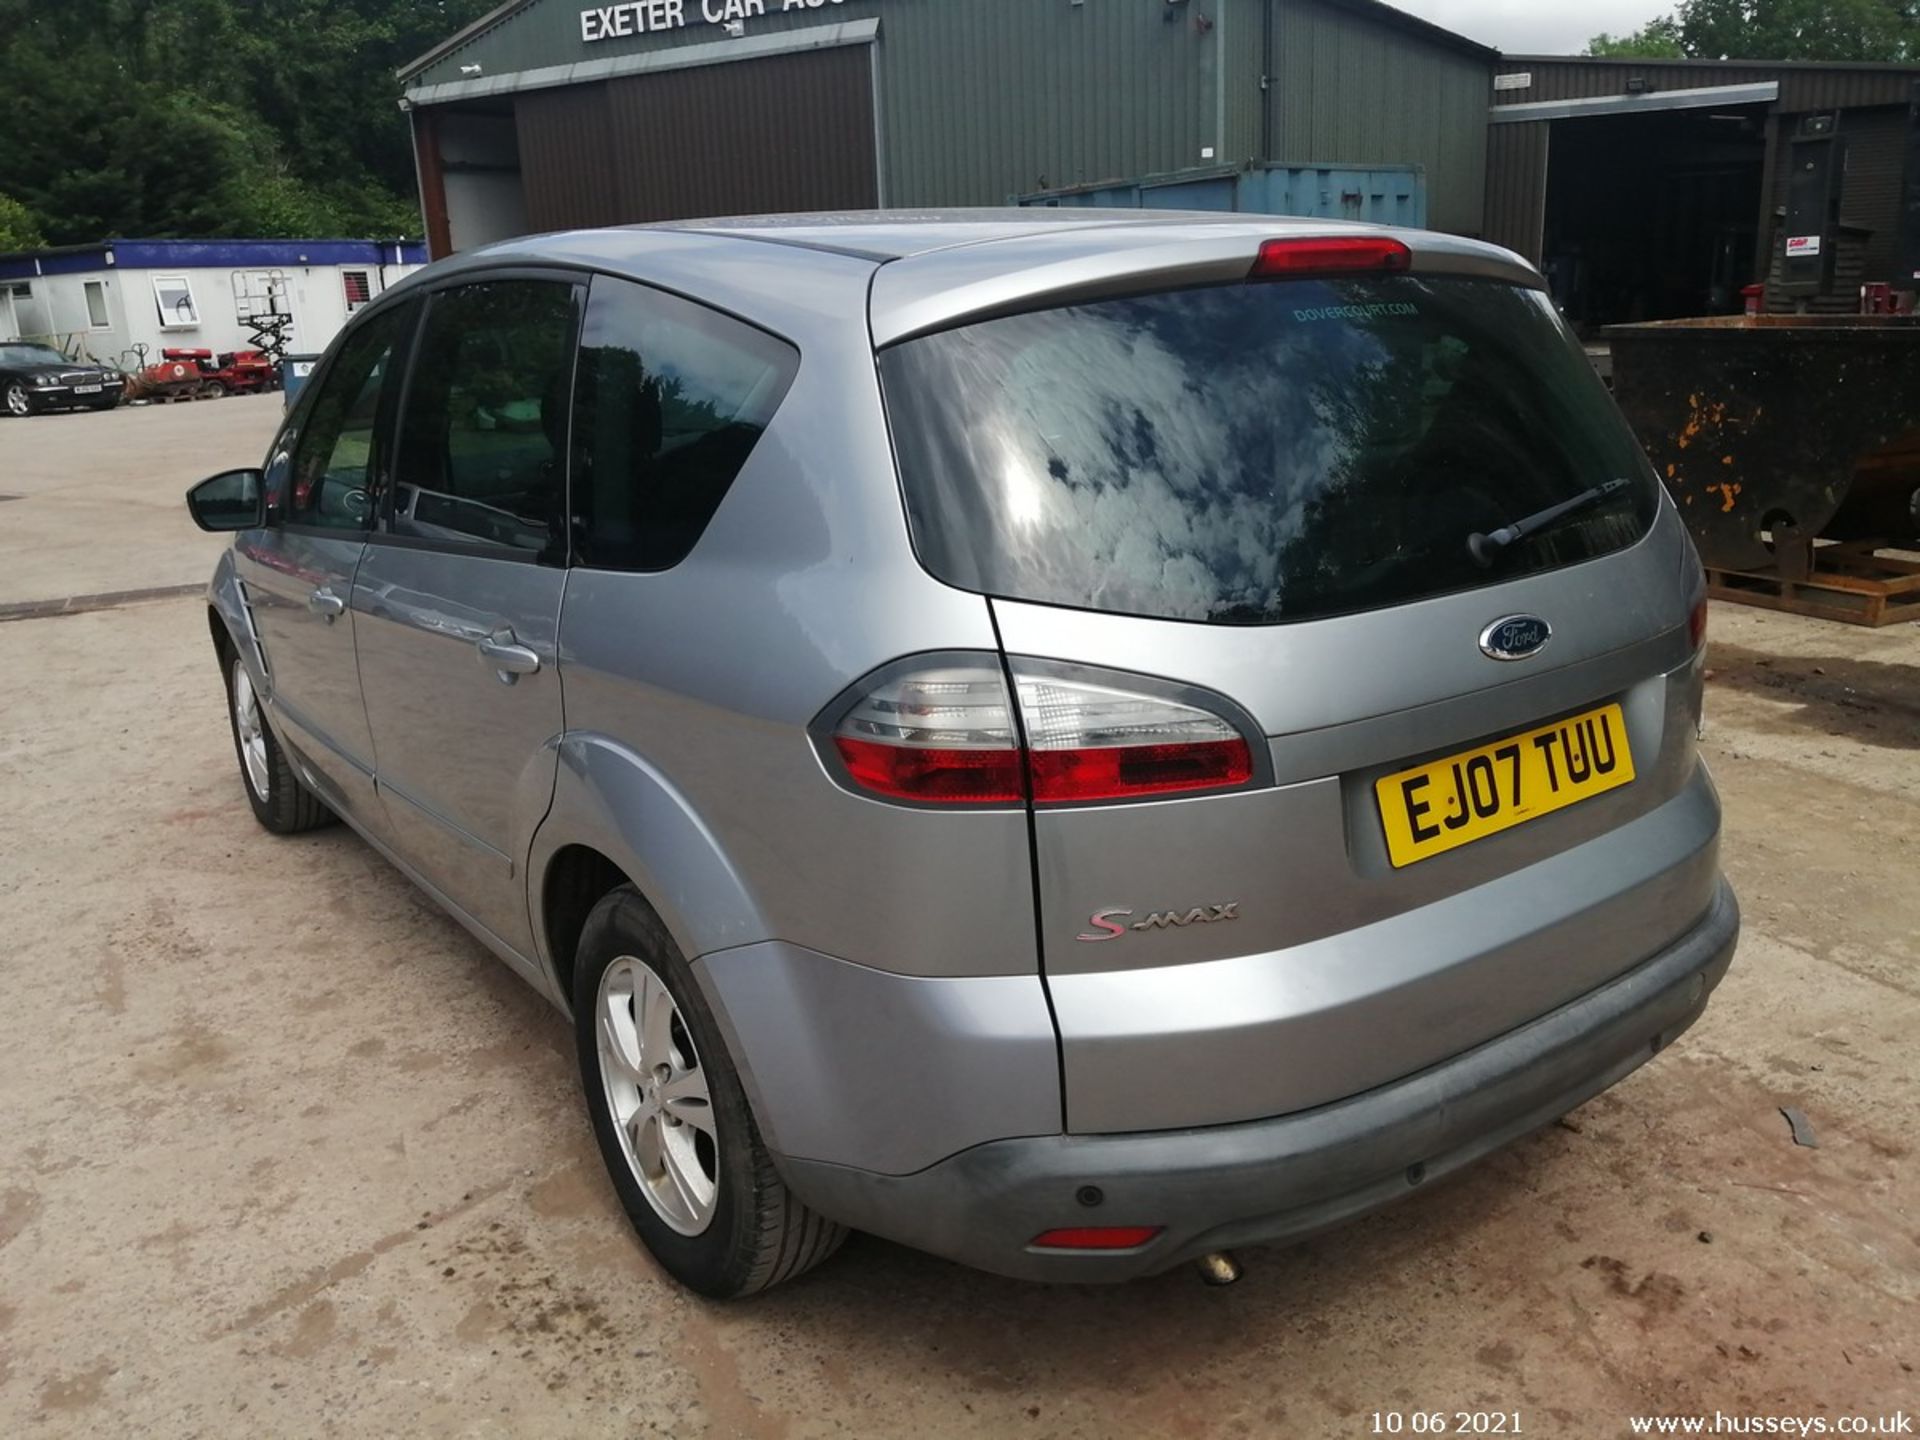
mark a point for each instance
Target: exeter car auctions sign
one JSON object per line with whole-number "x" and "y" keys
{"x": 644, "y": 17}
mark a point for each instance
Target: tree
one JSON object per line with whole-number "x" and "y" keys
{"x": 1860, "y": 30}
{"x": 19, "y": 230}
{"x": 214, "y": 117}
{"x": 1656, "y": 40}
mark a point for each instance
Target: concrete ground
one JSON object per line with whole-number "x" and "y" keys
{"x": 283, "y": 1152}
{"x": 116, "y": 479}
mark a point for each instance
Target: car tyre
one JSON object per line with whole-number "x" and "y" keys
{"x": 16, "y": 399}
{"x": 672, "y": 1119}
{"x": 280, "y": 798}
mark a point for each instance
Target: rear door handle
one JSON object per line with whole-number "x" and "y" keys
{"x": 324, "y": 602}
{"x": 508, "y": 658}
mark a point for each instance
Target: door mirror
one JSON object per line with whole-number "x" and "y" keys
{"x": 231, "y": 500}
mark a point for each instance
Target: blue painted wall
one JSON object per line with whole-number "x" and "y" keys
{"x": 209, "y": 254}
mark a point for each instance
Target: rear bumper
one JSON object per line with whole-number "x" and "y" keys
{"x": 1286, "y": 1178}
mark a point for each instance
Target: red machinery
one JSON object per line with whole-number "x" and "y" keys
{"x": 235, "y": 372}
{"x": 167, "y": 379}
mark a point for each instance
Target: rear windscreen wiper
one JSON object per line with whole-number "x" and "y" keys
{"x": 1485, "y": 547}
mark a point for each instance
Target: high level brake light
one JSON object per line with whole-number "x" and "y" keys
{"x": 944, "y": 734}
{"x": 1330, "y": 255}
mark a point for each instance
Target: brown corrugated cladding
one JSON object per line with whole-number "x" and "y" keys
{"x": 1870, "y": 195}
{"x": 1870, "y": 190}
{"x": 729, "y": 139}
{"x": 712, "y": 140}
{"x": 1517, "y": 185}
{"x": 564, "y": 138}
{"x": 1802, "y": 87}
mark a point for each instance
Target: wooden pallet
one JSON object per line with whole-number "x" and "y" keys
{"x": 1857, "y": 584}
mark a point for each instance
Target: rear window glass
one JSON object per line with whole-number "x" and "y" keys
{"x": 1258, "y": 453}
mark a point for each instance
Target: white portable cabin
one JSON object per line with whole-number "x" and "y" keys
{"x": 101, "y": 301}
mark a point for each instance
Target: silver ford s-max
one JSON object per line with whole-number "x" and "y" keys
{"x": 1071, "y": 740}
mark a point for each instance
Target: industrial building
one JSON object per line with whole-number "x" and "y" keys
{"x": 1646, "y": 189}
{"x": 547, "y": 114}
{"x": 104, "y": 301}
{"x": 1654, "y": 189}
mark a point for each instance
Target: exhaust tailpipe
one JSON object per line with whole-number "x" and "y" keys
{"x": 1218, "y": 1268}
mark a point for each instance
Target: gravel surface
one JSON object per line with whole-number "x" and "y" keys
{"x": 284, "y": 1152}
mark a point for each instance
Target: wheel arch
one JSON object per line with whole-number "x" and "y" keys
{"x": 615, "y": 820}
{"x": 223, "y": 645}
{"x": 577, "y": 878}
{"x": 227, "y": 614}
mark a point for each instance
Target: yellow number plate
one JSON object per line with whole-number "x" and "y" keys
{"x": 1446, "y": 804}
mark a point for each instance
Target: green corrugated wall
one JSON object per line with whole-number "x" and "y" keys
{"x": 983, "y": 99}
{"x": 1350, "y": 89}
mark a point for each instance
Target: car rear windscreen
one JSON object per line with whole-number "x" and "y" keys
{"x": 1259, "y": 453}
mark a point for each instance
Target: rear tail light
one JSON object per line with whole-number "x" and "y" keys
{"x": 943, "y": 733}
{"x": 1097, "y": 742}
{"x": 1095, "y": 1237}
{"x": 1331, "y": 255}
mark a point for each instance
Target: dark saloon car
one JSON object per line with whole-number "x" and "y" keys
{"x": 38, "y": 377}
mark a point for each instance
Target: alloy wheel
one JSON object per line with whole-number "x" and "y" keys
{"x": 17, "y": 401}
{"x": 657, "y": 1095}
{"x": 251, "y": 729}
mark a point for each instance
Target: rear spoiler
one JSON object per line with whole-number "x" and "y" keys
{"x": 943, "y": 288}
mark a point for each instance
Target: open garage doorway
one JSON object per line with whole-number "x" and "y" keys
{"x": 1654, "y": 216}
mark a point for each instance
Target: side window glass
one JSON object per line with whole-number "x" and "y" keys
{"x": 672, "y": 398}
{"x": 332, "y": 460}
{"x": 483, "y": 439}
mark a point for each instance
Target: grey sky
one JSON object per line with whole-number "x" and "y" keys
{"x": 1528, "y": 27}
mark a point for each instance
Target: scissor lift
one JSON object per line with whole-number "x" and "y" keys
{"x": 262, "y": 303}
